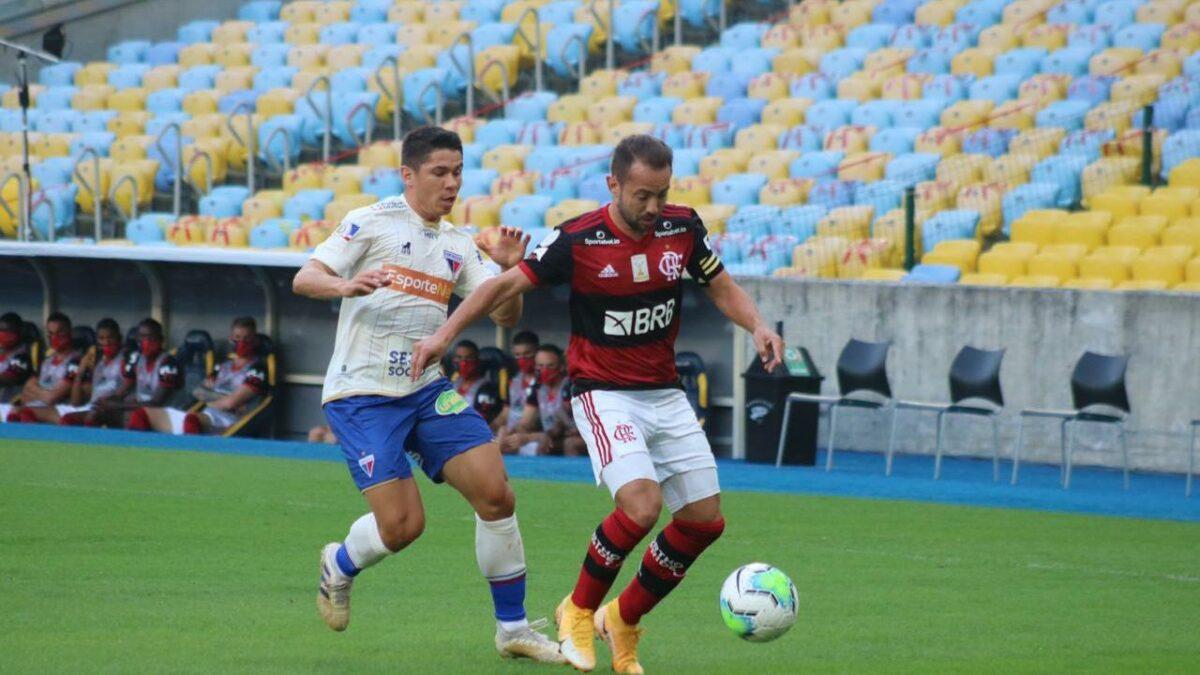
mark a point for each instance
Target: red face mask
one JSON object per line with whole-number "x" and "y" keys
{"x": 151, "y": 347}
{"x": 468, "y": 368}
{"x": 548, "y": 375}
{"x": 110, "y": 350}
{"x": 525, "y": 364}
{"x": 9, "y": 339}
{"x": 61, "y": 343}
{"x": 243, "y": 348}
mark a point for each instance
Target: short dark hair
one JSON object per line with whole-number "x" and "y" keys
{"x": 108, "y": 324}
{"x": 553, "y": 349}
{"x": 640, "y": 148}
{"x": 58, "y": 317}
{"x": 12, "y": 321}
{"x": 469, "y": 344}
{"x": 153, "y": 326}
{"x": 246, "y": 322}
{"x": 525, "y": 337}
{"x": 421, "y": 142}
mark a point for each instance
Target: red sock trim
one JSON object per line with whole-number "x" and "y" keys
{"x": 191, "y": 424}
{"x": 27, "y": 416}
{"x": 658, "y": 577}
{"x": 139, "y": 420}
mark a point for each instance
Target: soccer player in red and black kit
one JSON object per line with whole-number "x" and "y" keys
{"x": 625, "y": 264}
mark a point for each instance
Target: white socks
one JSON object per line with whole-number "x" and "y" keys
{"x": 501, "y": 557}
{"x": 363, "y": 544}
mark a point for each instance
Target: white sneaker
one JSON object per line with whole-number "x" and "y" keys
{"x": 333, "y": 593}
{"x": 528, "y": 643}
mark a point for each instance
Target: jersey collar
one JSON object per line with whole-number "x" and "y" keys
{"x": 433, "y": 225}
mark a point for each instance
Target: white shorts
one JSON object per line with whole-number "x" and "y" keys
{"x": 70, "y": 409}
{"x": 219, "y": 419}
{"x": 5, "y": 408}
{"x": 647, "y": 434}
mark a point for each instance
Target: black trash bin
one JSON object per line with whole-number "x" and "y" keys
{"x": 766, "y": 394}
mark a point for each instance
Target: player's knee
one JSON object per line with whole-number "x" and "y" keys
{"x": 643, "y": 509}
{"x": 496, "y": 501}
{"x": 401, "y": 530}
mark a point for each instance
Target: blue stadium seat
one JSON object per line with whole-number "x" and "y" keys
{"x": 674, "y": 135}
{"x": 947, "y": 87}
{"x": 277, "y": 149}
{"x": 498, "y": 132}
{"x": 1068, "y": 114}
{"x": 128, "y": 75}
{"x": 160, "y": 122}
{"x": 146, "y": 228}
{"x": 913, "y": 168}
{"x": 738, "y": 189}
{"x": 641, "y": 85}
{"x": 1073, "y": 12}
{"x": 710, "y": 136}
{"x": 1063, "y": 171}
{"x": 473, "y": 155}
{"x": 980, "y": 12}
{"x": 813, "y": 86}
{"x": 871, "y": 36}
{"x": 726, "y": 85}
{"x": 800, "y": 221}
{"x": 633, "y": 22}
{"x": 554, "y": 13}
{"x": 714, "y": 60}
{"x": 949, "y": 224}
{"x": 340, "y": 33}
{"x": 874, "y": 113}
{"x": 260, "y": 10}
{"x": 224, "y": 201}
{"x": 897, "y": 12}
{"x": 697, "y": 13}
{"x": 1169, "y": 113}
{"x": 53, "y": 171}
{"x": 882, "y": 195}
{"x": 240, "y": 99}
{"x": 842, "y": 63}
{"x": 753, "y": 220}
{"x": 374, "y": 57}
{"x": 562, "y": 46}
{"x": 686, "y": 161}
{"x": 307, "y": 205}
{"x": 55, "y": 98}
{"x": 377, "y": 34}
{"x": 59, "y": 74}
{"x": 751, "y": 63}
{"x": 1086, "y": 143}
{"x": 540, "y": 132}
{"x": 933, "y": 274}
{"x": 744, "y": 35}
{"x": 997, "y": 88}
{"x": 931, "y": 61}
{"x": 56, "y": 121}
{"x": 530, "y": 107}
{"x": 267, "y": 33}
{"x": 493, "y": 34}
{"x": 741, "y": 112}
{"x": 477, "y": 182}
{"x": 588, "y": 159}
{"x": 527, "y": 212}
{"x": 268, "y": 235}
{"x": 163, "y": 53}
{"x": 383, "y": 183}
{"x": 1115, "y": 14}
{"x": 913, "y": 36}
{"x": 197, "y": 31}
{"x": 560, "y": 185}
{"x": 482, "y": 11}
{"x": 832, "y": 193}
{"x": 1093, "y": 89}
{"x": 1143, "y": 36}
{"x": 94, "y": 121}
{"x": 197, "y": 78}
{"x": 821, "y": 164}
{"x": 595, "y": 187}
{"x": 451, "y": 61}
{"x": 421, "y": 90}
{"x": 895, "y": 140}
{"x": 1191, "y": 66}
{"x": 545, "y": 159}
{"x": 371, "y": 11}
{"x": 129, "y": 51}
{"x": 1178, "y": 148}
{"x": 1027, "y": 197}
{"x": 349, "y": 80}
{"x": 1092, "y": 37}
{"x": 274, "y": 77}
{"x": 100, "y": 141}
{"x": 57, "y": 202}
{"x": 956, "y": 37}
{"x": 922, "y": 114}
{"x": 987, "y": 141}
{"x": 1025, "y": 61}
{"x": 801, "y": 137}
{"x": 830, "y": 114}
{"x": 655, "y": 110}
{"x": 270, "y": 55}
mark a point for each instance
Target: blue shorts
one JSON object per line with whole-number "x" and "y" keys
{"x": 432, "y": 424}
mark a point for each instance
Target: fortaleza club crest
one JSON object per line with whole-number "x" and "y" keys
{"x": 351, "y": 232}
{"x": 453, "y": 260}
{"x": 449, "y": 403}
{"x": 367, "y": 464}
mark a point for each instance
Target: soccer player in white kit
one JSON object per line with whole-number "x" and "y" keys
{"x": 395, "y": 265}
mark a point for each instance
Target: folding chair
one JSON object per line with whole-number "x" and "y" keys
{"x": 974, "y": 377}
{"x": 861, "y": 367}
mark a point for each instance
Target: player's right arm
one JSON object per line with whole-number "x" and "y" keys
{"x": 330, "y": 272}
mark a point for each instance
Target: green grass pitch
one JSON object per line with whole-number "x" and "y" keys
{"x": 133, "y": 560}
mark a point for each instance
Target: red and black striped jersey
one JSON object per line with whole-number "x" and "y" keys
{"x": 625, "y": 294}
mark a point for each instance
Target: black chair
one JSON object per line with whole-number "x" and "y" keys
{"x": 494, "y": 364}
{"x": 974, "y": 390}
{"x": 132, "y": 343}
{"x": 197, "y": 358}
{"x": 1099, "y": 396}
{"x": 694, "y": 378}
{"x": 83, "y": 338}
{"x": 862, "y": 370}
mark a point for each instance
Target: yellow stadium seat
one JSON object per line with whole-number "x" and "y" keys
{"x": 614, "y": 134}
{"x": 1133, "y": 234}
{"x": 1009, "y": 169}
{"x": 196, "y": 54}
{"x": 1187, "y": 286}
{"x": 129, "y": 148}
{"x": 480, "y": 211}
{"x": 612, "y": 110}
{"x": 759, "y": 137}
{"x": 1167, "y": 205}
{"x": 1115, "y": 61}
{"x": 861, "y": 86}
{"x": 568, "y": 209}
{"x": 982, "y": 279}
{"x": 568, "y": 108}
{"x": 92, "y": 97}
{"x": 411, "y": 35}
{"x": 1106, "y": 173}
{"x": 333, "y": 11}
{"x": 986, "y": 199}
{"x": 580, "y": 133}
{"x": 505, "y": 158}
{"x": 723, "y": 162}
{"x": 1088, "y": 229}
{"x": 773, "y": 164}
{"x": 198, "y": 172}
{"x": 304, "y": 177}
{"x": 464, "y": 126}
{"x": 891, "y": 226}
{"x": 419, "y": 56}
{"x": 1184, "y": 37}
{"x": 88, "y": 185}
{"x": 50, "y": 145}
{"x": 1160, "y": 266}
{"x": 310, "y": 234}
{"x": 1140, "y": 89}
{"x": 887, "y": 62}
{"x": 201, "y": 102}
{"x": 443, "y": 11}
{"x": 1120, "y": 200}
{"x": 300, "y": 34}
{"x": 936, "y": 13}
{"x": 849, "y": 222}
{"x": 1044, "y": 88}
{"x": 1180, "y": 252}
{"x": 234, "y": 79}
{"x": 236, "y": 153}
{"x": 674, "y": 59}
{"x": 781, "y": 36}
{"x": 337, "y": 209}
{"x": 940, "y": 141}
{"x": 1089, "y": 284}
{"x": 1112, "y": 115}
{"x": 345, "y": 180}
{"x": 124, "y": 175}
{"x": 230, "y": 32}
{"x": 1192, "y": 270}
{"x": 344, "y": 56}
{"x": 277, "y": 102}
{"x": 934, "y": 195}
{"x": 714, "y": 216}
{"x": 1051, "y": 264}
{"x": 234, "y": 55}
{"x": 697, "y": 111}
{"x": 1160, "y": 12}
{"x": 1041, "y": 143}
{"x": 1038, "y": 226}
{"x": 795, "y": 62}
{"x": 189, "y": 230}
{"x": 820, "y": 36}
{"x": 965, "y": 115}
{"x": 262, "y": 205}
{"x": 601, "y": 84}
{"x": 1031, "y": 281}
{"x": 903, "y": 87}
{"x": 786, "y": 112}
{"x": 851, "y": 14}
{"x": 1185, "y": 232}
{"x": 307, "y": 57}
{"x": 863, "y": 166}
{"x": 999, "y": 38}
{"x": 444, "y": 33}
{"x": 685, "y": 85}
{"x": 860, "y": 257}
{"x": 849, "y": 139}
{"x": 161, "y": 77}
{"x": 407, "y": 12}
{"x": 810, "y": 13}
{"x": 1112, "y": 268}
{"x": 498, "y": 65}
{"x": 298, "y": 10}
{"x": 882, "y": 274}
{"x": 1186, "y": 173}
{"x": 691, "y": 190}
{"x": 977, "y": 61}
{"x": 126, "y": 100}
{"x": 227, "y": 233}
{"x": 952, "y": 258}
{"x": 1143, "y": 285}
{"x": 95, "y": 72}
{"x": 1004, "y": 265}
{"x": 1047, "y": 36}
{"x": 1021, "y": 249}
{"x": 785, "y": 191}
{"x": 1165, "y": 63}
{"x": 768, "y": 87}
{"x": 514, "y": 183}
{"x": 1018, "y": 115}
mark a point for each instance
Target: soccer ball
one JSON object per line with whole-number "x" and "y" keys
{"x": 758, "y": 602}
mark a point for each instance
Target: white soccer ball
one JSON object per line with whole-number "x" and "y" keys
{"x": 758, "y": 602}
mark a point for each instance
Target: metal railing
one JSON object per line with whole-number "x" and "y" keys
{"x": 610, "y": 53}
{"x": 135, "y": 191}
{"x": 535, "y": 45}
{"x": 469, "y": 71}
{"x": 177, "y": 183}
{"x": 368, "y": 132}
{"x": 394, "y": 95}
{"x": 247, "y": 143}
{"x": 23, "y": 226}
{"x": 583, "y": 53}
{"x": 52, "y": 232}
{"x": 438, "y": 106}
{"x": 208, "y": 172}
{"x": 327, "y": 134}
{"x": 655, "y": 36}
{"x": 502, "y": 101}
{"x": 287, "y": 151}
{"x": 93, "y": 188}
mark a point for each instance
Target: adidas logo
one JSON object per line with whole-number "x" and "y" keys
{"x": 608, "y": 272}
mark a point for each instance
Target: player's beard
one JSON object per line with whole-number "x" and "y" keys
{"x": 632, "y": 219}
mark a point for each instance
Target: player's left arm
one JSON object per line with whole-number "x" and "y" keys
{"x": 63, "y": 389}
{"x": 254, "y": 384}
{"x": 506, "y": 250}
{"x": 169, "y": 380}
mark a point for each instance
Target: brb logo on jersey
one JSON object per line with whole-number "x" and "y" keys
{"x": 639, "y": 322}
{"x": 670, "y": 265}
